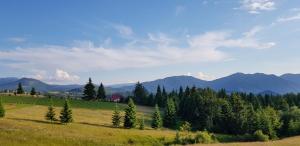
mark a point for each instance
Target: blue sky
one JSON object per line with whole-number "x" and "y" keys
{"x": 65, "y": 42}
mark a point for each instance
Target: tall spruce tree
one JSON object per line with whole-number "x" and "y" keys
{"x": 170, "y": 114}
{"x": 89, "y": 92}
{"x": 20, "y": 89}
{"x": 66, "y": 113}
{"x": 140, "y": 94}
{"x": 50, "y": 115}
{"x": 158, "y": 97}
{"x": 156, "y": 118}
{"x": 116, "y": 118}
{"x": 130, "y": 115}
{"x": 2, "y": 110}
{"x": 164, "y": 97}
{"x": 32, "y": 92}
{"x": 101, "y": 92}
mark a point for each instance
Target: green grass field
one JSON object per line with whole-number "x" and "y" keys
{"x": 25, "y": 124}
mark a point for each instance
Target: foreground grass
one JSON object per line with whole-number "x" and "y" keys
{"x": 25, "y": 125}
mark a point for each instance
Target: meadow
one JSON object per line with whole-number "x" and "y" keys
{"x": 25, "y": 124}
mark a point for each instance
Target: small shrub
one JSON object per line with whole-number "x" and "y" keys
{"x": 2, "y": 110}
{"x": 185, "y": 126}
{"x": 260, "y": 136}
{"x": 205, "y": 137}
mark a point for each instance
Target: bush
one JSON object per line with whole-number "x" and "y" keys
{"x": 185, "y": 126}
{"x": 185, "y": 137}
{"x": 205, "y": 137}
{"x": 260, "y": 136}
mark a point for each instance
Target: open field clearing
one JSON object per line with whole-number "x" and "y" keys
{"x": 25, "y": 125}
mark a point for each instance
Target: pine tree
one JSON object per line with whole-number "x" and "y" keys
{"x": 2, "y": 110}
{"x": 252, "y": 122}
{"x": 32, "y": 92}
{"x": 101, "y": 92}
{"x": 66, "y": 113}
{"x": 116, "y": 118}
{"x": 51, "y": 113}
{"x": 130, "y": 115}
{"x": 140, "y": 94}
{"x": 170, "y": 114}
{"x": 142, "y": 123}
{"x": 20, "y": 89}
{"x": 151, "y": 100}
{"x": 164, "y": 97}
{"x": 89, "y": 91}
{"x": 180, "y": 94}
{"x": 158, "y": 97}
{"x": 156, "y": 118}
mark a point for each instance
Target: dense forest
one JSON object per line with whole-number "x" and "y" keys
{"x": 222, "y": 112}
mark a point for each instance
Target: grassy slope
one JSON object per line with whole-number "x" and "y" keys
{"x": 24, "y": 124}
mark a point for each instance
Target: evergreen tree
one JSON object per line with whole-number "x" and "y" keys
{"x": 32, "y": 92}
{"x": 140, "y": 94}
{"x": 142, "y": 123}
{"x": 151, "y": 100}
{"x": 252, "y": 122}
{"x": 2, "y": 110}
{"x": 158, "y": 97}
{"x": 20, "y": 89}
{"x": 89, "y": 91}
{"x": 116, "y": 118}
{"x": 156, "y": 118}
{"x": 180, "y": 94}
{"x": 170, "y": 114}
{"x": 101, "y": 92}
{"x": 222, "y": 94}
{"x": 239, "y": 113}
{"x": 130, "y": 115}
{"x": 164, "y": 97}
{"x": 66, "y": 113}
{"x": 51, "y": 113}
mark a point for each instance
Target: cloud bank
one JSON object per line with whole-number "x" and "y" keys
{"x": 154, "y": 50}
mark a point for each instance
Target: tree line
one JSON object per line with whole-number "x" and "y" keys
{"x": 223, "y": 112}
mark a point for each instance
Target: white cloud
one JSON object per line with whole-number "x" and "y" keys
{"x": 289, "y": 18}
{"x": 124, "y": 30}
{"x": 256, "y": 6}
{"x": 205, "y": 77}
{"x": 17, "y": 39}
{"x": 156, "y": 50}
{"x": 61, "y": 75}
{"x": 253, "y": 31}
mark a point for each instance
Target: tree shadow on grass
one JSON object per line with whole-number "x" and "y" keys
{"x": 98, "y": 125}
{"x": 37, "y": 121}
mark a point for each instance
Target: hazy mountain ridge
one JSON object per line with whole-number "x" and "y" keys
{"x": 255, "y": 83}
{"x": 28, "y": 83}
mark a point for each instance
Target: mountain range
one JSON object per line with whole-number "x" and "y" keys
{"x": 255, "y": 83}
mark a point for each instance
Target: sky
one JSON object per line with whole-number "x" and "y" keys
{"x": 118, "y": 41}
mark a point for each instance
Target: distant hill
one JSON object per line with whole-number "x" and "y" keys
{"x": 7, "y": 80}
{"x": 295, "y": 78}
{"x": 28, "y": 83}
{"x": 255, "y": 83}
{"x": 240, "y": 82}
